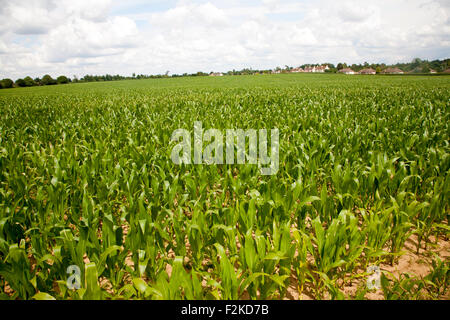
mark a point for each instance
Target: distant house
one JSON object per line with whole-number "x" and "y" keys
{"x": 322, "y": 68}
{"x": 347, "y": 71}
{"x": 367, "y": 71}
{"x": 216, "y": 74}
{"x": 276, "y": 71}
{"x": 392, "y": 71}
{"x": 319, "y": 69}
{"x": 433, "y": 71}
{"x": 297, "y": 70}
{"x": 447, "y": 71}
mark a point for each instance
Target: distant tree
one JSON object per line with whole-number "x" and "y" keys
{"x": 7, "y": 83}
{"x": 415, "y": 63}
{"x": 29, "y": 82}
{"x": 356, "y": 67}
{"x": 445, "y": 64}
{"x": 62, "y": 80}
{"x": 37, "y": 80}
{"x": 378, "y": 69}
{"x": 340, "y": 66}
{"x": 425, "y": 69}
{"x": 88, "y": 78}
{"x": 48, "y": 80}
{"x": 21, "y": 83}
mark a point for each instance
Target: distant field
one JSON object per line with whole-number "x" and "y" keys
{"x": 251, "y": 81}
{"x": 87, "y": 180}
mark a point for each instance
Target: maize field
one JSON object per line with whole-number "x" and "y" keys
{"x": 87, "y": 182}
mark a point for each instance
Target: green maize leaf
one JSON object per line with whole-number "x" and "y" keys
{"x": 93, "y": 291}
{"x": 43, "y": 296}
{"x": 140, "y": 285}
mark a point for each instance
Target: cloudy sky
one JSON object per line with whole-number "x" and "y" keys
{"x": 78, "y": 37}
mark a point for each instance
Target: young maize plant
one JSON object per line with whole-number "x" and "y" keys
{"x": 93, "y": 207}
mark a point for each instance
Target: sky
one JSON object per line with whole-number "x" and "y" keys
{"x": 67, "y": 37}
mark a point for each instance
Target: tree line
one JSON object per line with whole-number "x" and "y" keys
{"x": 417, "y": 65}
{"x": 46, "y": 80}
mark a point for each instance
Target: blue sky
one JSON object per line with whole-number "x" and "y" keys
{"x": 110, "y": 36}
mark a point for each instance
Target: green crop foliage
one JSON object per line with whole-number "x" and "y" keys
{"x": 86, "y": 179}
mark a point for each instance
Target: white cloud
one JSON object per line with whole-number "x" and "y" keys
{"x": 40, "y": 16}
{"x": 27, "y": 18}
{"x": 188, "y": 15}
{"x": 84, "y": 38}
{"x": 97, "y": 10}
{"x": 78, "y": 37}
{"x": 354, "y": 12}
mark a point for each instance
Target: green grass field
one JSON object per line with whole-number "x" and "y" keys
{"x": 86, "y": 179}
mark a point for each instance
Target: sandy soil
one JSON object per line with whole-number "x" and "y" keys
{"x": 411, "y": 262}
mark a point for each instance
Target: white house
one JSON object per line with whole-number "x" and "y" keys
{"x": 319, "y": 69}
{"x": 297, "y": 70}
{"x": 393, "y": 71}
{"x": 347, "y": 71}
{"x": 367, "y": 71}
